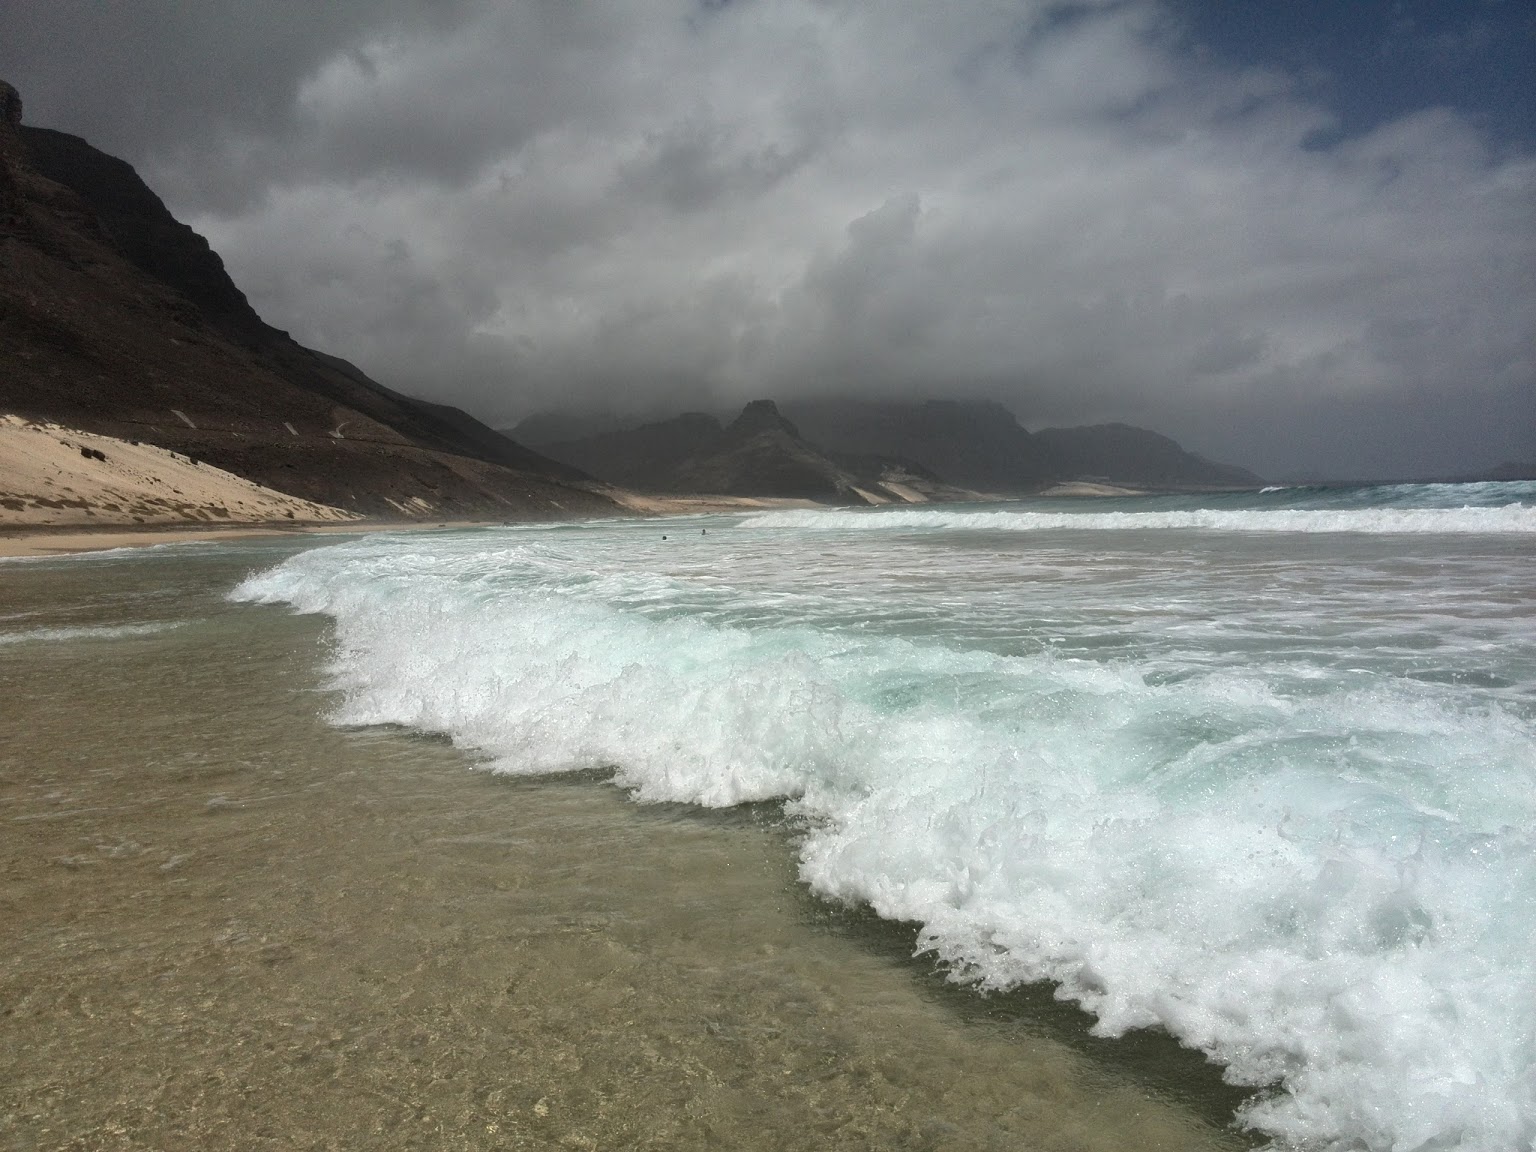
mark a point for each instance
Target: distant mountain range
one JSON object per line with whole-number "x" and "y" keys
{"x": 863, "y": 451}
{"x": 759, "y": 453}
{"x": 117, "y": 318}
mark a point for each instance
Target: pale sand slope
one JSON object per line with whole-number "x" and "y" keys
{"x": 1086, "y": 488}
{"x": 46, "y": 480}
{"x": 649, "y": 505}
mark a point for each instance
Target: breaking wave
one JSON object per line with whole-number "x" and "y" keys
{"x": 1514, "y": 519}
{"x": 1322, "y": 876}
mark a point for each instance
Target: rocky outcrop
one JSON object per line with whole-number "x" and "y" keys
{"x": 853, "y": 449}
{"x": 760, "y": 453}
{"x": 116, "y": 318}
{"x": 141, "y": 227}
{"x": 974, "y": 444}
{"x": 11, "y": 151}
{"x": 644, "y": 458}
{"x": 980, "y": 444}
{"x": 1122, "y": 454}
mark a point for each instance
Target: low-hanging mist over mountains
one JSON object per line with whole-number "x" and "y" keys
{"x": 863, "y": 451}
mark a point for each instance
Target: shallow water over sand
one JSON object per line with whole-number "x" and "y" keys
{"x": 230, "y": 925}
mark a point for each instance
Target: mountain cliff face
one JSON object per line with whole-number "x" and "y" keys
{"x": 827, "y": 449}
{"x": 980, "y": 444}
{"x": 1122, "y": 454}
{"x": 116, "y": 318}
{"x": 643, "y": 458}
{"x": 758, "y": 454}
{"x": 975, "y": 444}
{"x": 140, "y": 225}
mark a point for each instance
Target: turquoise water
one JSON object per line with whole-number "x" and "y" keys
{"x": 1259, "y": 769}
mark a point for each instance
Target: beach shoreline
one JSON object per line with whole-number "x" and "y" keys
{"x": 235, "y": 924}
{"x": 32, "y": 541}
{"x": 21, "y": 540}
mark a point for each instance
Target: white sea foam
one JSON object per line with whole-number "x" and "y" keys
{"x": 1320, "y": 874}
{"x": 1516, "y": 519}
{"x": 89, "y": 632}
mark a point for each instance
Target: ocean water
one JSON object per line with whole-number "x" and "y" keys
{"x": 1259, "y": 770}
{"x": 230, "y": 924}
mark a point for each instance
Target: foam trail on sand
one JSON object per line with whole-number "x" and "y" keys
{"x": 96, "y": 632}
{"x": 1318, "y": 871}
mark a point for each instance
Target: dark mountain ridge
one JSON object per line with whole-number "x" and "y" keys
{"x": 643, "y": 457}
{"x": 117, "y": 318}
{"x": 762, "y": 453}
{"x": 975, "y": 444}
{"x": 954, "y": 448}
{"x": 1122, "y": 454}
{"x": 759, "y": 453}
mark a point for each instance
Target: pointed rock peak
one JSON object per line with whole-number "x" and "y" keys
{"x": 10, "y": 105}
{"x": 761, "y": 416}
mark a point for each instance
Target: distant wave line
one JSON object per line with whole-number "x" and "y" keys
{"x": 1513, "y": 519}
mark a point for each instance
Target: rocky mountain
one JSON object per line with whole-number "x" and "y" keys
{"x": 117, "y": 318}
{"x": 974, "y": 444}
{"x": 981, "y": 444}
{"x": 1135, "y": 457}
{"x": 759, "y": 453}
{"x": 644, "y": 458}
{"x": 843, "y": 448}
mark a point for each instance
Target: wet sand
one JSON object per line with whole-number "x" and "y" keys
{"x": 27, "y": 540}
{"x": 231, "y": 926}
{"x": 17, "y": 541}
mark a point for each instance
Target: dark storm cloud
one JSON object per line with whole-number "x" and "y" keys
{"x": 646, "y": 204}
{"x": 155, "y": 75}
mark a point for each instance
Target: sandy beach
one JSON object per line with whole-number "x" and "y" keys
{"x": 63, "y": 490}
{"x": 52, "y": 476}
{"x": 25, "y": 542}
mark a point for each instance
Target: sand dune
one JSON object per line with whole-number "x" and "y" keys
{"x": 52, "y": 476}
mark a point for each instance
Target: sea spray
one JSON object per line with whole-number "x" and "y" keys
{"x": 1298, "y": 837}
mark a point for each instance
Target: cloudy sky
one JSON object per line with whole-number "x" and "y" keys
{"x": 1297, "y": 236}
